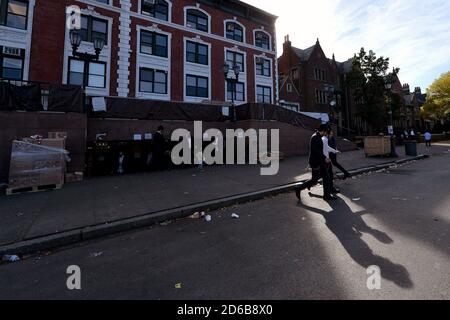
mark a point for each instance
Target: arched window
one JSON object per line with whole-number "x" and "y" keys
{"x": 262, "y": 40}
{"x": 158, "y": 10}
{"x": 234, "y": 31}
{"x": 196, "y": 19}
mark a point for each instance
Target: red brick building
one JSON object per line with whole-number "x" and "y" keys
{"x": 173, "y": 50}
{"x": 309, "y": 81}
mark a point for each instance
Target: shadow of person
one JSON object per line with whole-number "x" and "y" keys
{"x": 348, "y": 227}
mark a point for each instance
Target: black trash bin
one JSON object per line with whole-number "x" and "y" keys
{"x": 411, "y": 148}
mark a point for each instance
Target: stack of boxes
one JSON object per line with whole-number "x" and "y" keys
{"x": 37, "y": 163}
{"x": 40, "y": 162}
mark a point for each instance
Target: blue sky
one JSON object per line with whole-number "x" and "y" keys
{"x": 415, "y": 34}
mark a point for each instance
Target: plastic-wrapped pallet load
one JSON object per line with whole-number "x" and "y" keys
{"x": 35, "y": 167}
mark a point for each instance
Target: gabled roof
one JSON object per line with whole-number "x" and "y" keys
{"x": 409, "y": 99}
{"x": 304, "y": 54}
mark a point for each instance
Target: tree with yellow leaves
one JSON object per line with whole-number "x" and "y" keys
{"x": 437, "y": 106}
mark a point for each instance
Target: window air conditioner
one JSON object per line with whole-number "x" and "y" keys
{"x": 11, "y": 51}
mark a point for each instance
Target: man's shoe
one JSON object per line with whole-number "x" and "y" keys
{"x": 347, "y": 175}
{"x": 297, "y": 193}
{"x": 329, "y": 198}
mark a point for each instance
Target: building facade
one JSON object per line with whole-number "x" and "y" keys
{"x": 162, "y": 50}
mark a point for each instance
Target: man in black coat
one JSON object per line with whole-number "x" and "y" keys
{"x": 159, "y": 150}
{"x": 319, "y": 165}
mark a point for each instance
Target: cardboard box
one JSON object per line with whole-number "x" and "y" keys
{"x": 74, "y": 177}
{"x": 57, "y": 135}
{"x": 33, "y": 165}
{"x": 54, "y": 143}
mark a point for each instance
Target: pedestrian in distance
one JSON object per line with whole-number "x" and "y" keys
{"x": 333, "y": 156}
{"x": 319, "y": 165}
{"x": 428, "y": 138}
{"x": 328, "y": 151}
{"x": 159, "y": 150}
{"x": 412, "y": 135}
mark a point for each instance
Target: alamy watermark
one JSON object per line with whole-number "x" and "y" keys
{"x": 374, "y": 279}
{"x": 73, "y": 20}
{"x": 74, "y": 279}
{"x": 229, "y": 150}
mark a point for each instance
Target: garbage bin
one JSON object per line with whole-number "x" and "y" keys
{"x": 411, "y": 148}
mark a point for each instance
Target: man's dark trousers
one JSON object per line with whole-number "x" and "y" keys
{"x": 317, "y": 173}
{"x": 335, "y": 163}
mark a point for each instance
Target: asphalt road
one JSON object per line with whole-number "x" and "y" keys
{"x": 398, "y": 220}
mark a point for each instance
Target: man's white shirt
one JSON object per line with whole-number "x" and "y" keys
{"x": 327, "y": 149}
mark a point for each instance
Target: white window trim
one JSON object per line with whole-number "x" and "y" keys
{"x": 263, "y": 31}
{"x": 105, "y": 55}
{"x": 212, "y": 36}
{"x": 20, "y": 39}
{"x": 196, "y": 69}
{"x": 153, "y": 62}
{"x": 169, "y": 2}
{"x": 263, "y": 56}
{"x": 263, "y": 80}
{"x": 264, "y": 85}
{"x": 242, "y": 76}
{"x": 244, "y": 39}
{"x": 284, "y": 103}
{"x": 186, "y": 8}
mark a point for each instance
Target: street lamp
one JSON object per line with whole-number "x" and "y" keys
{"x": 75, "y": 41}
{"x": 333, "y": 94}
{"x": 234, "y": 81}
{"x": 388, "y": 86}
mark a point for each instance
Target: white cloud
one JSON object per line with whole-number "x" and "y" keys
{"x": 415, "y": 34}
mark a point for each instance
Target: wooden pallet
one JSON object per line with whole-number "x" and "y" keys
{"x": 11, "y": 191}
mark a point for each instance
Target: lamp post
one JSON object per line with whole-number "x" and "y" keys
{"x": 75, "y": 41}
{"x": 234, "y": 81}
{"x": 333, "y": 94}
{"x": 388, "y": 86}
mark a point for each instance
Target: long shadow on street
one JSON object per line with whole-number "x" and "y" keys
{"x": 348, "y": 227}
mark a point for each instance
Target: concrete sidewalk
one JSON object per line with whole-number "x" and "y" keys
{"x": 107, "y": 199}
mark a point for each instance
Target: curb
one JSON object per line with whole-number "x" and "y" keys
{"x": 72, "y": 237}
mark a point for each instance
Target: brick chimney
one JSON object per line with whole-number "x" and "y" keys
{"x": 418, "y": 90}
{"x": 287, "y": 44}
{"x": 406, "y": 89}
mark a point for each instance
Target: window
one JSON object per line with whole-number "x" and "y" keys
{"x": 234, "y": 58}
{"x": 159, "y": 10}
{"x": 92, "y": 28}
{"x": 12, "y": 68}
{"x": 11, "y": 63}
{"x": 14, "y": 13}
{"x": 96, "y": 73}
{"x": 264, "y": 94}
{"x": 197, "y": 20}
{"x": 319, "y": 74}
{"x": 263, "y": 67}
{"x": 291, "y": 106}
{"x": 295, "y": 74}
{"x": 197, "y": 53}
{"x": 234, "y": 31}
{"x": 152, "y": 81}
{"x": 238, "y": 89}
{"x": 154, "y": 44}
{"x": 103, "y": 1}
{"x": 289, "y": 88}
{"x": 197, "y": 86}
{"x": 321, "y": 97}
{"x": 262, "y": 40}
